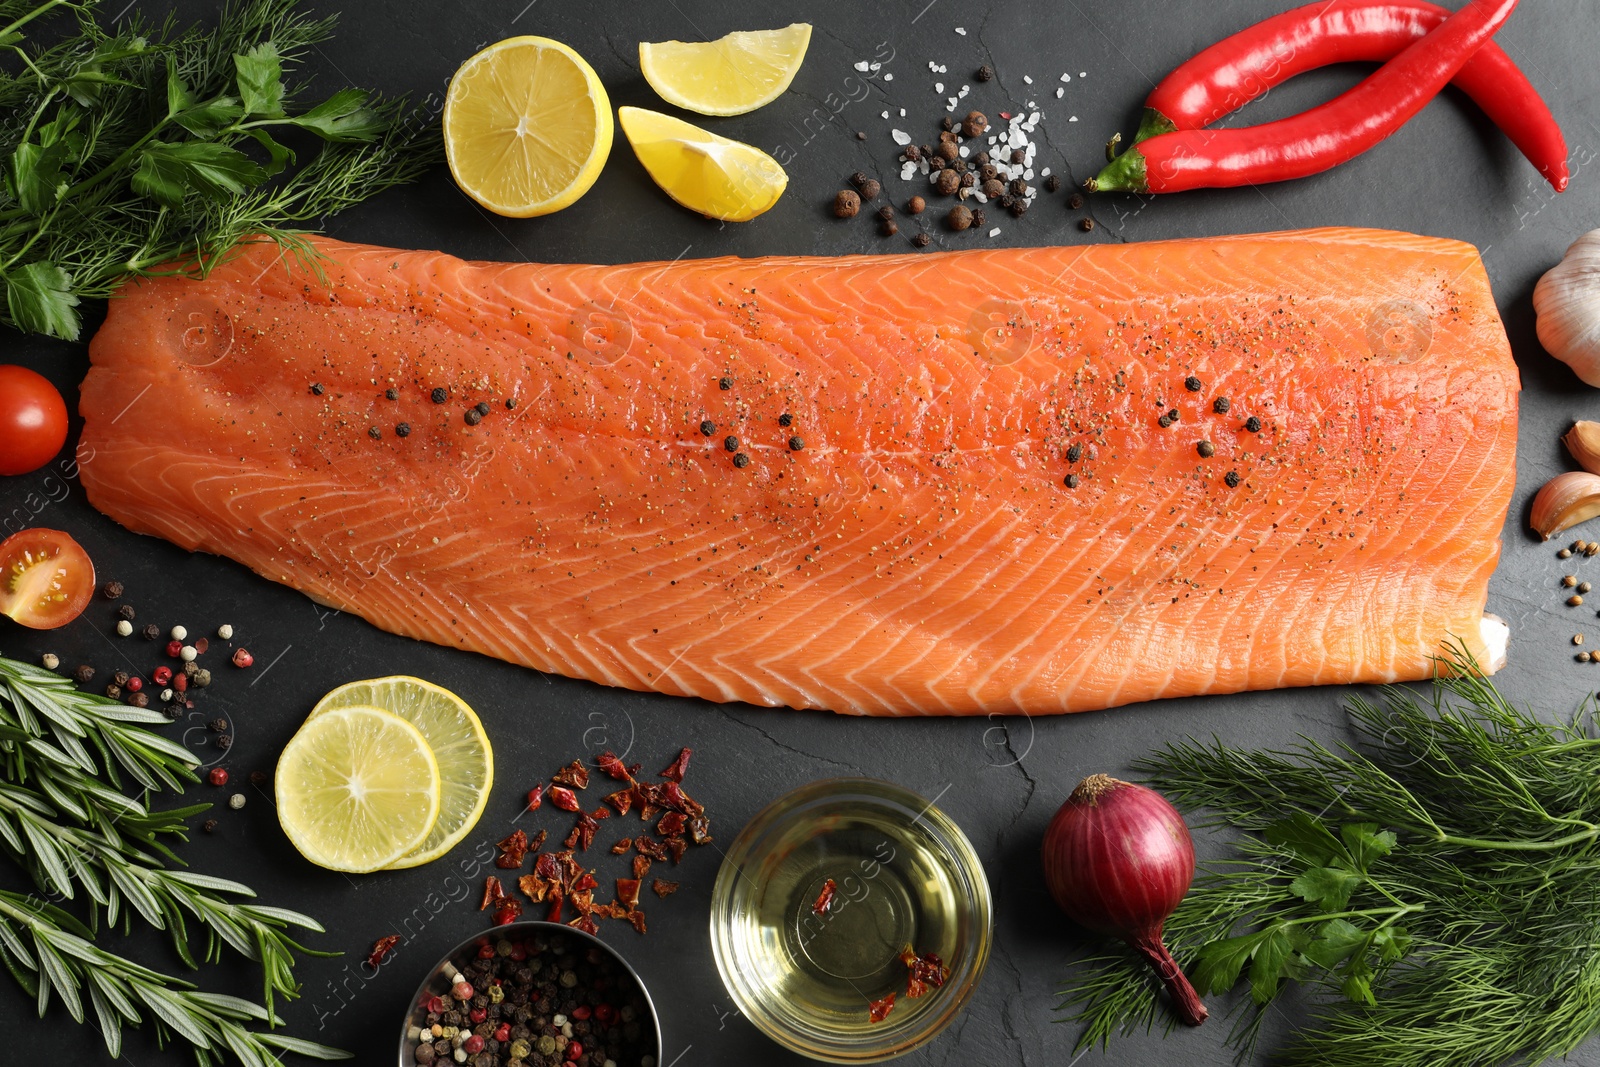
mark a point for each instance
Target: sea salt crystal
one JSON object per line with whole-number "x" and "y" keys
{"x": 900, "y": 136}
{"x": 938, "y": 87}
{"x": 1066, "y": 77}
{"x": 1060, "y": 93}
{"x": 962, "y": 30}
{"x": 933, "y": 66}
{"x": 875, "y": 66}
{"x": 1045, "y": 173}
{"x": 1073, "y": 119}
{"x": 995, "y": 232}
{"x": 980, "y": 197}
{"x": 1027, "y": 174}
{"x": 1083, "y": 74}
{"x": 952, "y": 106}
{"x": 885, "y": 114}
{"x": 902, "y": 112}
{"x": 907, "y": 170}
{"x": 1027, "y": 79}
{"x": 888, "y": 77}
{"x": 863, "y": 66}
{"x": 963, "y": 92}
{"x": 1033, "y": 119}
{"x": 963, "y": 151}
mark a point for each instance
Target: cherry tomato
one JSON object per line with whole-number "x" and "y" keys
{"x": 46, "y": 578}
{"x": 33, "y": 420}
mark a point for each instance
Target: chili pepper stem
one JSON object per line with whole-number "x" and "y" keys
{"x": 1125, "y": 174}
{"x": 1186, "y": 1003}
{"x": 1153, "y": 124}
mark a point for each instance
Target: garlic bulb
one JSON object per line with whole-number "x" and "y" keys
{"x": 1567, "y": 300}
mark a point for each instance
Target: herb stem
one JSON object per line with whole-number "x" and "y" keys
{"x": 1493, "y": 845}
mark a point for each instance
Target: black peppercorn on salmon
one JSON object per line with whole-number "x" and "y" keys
{"x": 1012, "y": 480}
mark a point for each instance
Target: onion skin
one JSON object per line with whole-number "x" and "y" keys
{"x": 1118, "y": 859}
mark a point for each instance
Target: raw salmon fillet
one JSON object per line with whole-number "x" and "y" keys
{"x": 886, "y": 485}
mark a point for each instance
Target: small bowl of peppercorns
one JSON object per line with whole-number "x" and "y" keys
{"x": 538, "y": 994}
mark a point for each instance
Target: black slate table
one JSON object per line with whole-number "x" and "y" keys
{"x": 1448, "y": 173}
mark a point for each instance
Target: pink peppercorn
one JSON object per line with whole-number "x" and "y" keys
{"x": 462, "y": 990}
{"x": 582, "y": 1011}
{"x": 242, "y": 657}
{"x": 473, "y": 1045}
{"x": 477, "y": 1015}
{"x": 486, "y": 951}
{"x": 161, "y": 675}
{"x": 518, "y": 952}
{"x": 174, "y": 649}
{"x": 503, "y": 1032}
{"x": 135, "y": 683}
{"x": 574, "y": 1050}
{"x": 217, "y": 776}
{"x": 180, "y": 682}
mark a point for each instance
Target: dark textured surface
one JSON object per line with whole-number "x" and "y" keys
{"x": 1448, "y": 173}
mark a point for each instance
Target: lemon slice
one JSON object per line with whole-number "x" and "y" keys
{"x": 357, "y": 789}
{"x": 459, "y": 746}
{"x": 527, "y": 127}
{"x": 728, "y": 76}
{"x": 719, "y": 178}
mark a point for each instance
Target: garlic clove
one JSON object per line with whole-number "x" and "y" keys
{"x": 1564, "y": 501}
{"x": 1567, "y": 300}
{"x": 1583, "y": 441}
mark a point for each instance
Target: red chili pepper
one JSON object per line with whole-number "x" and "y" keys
{"x": 1236, "y": 70}
{"x": 1314, "y": 140}
{"x": 679, "y": 767}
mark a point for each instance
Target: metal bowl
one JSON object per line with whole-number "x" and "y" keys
{"x": 437, "y": 982}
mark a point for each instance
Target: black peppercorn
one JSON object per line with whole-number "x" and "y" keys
{"x": 224, "y": 740}
{"x": 1074, "y": 453}
{"x": 120, "y": 678}
{"x": 218, "y": 725}
{"x": 125, "y": 612}
{"x": 947, "y": 123}
{"x": 1232, "y": 478}
{"x": 391, "y": 394}
{"x": 1018, "y": 207}
{"x": 511, "y": 403}
{"x": 403, "y": 430}
{"x": 139, "y": 699}
{"x": 858, "y": 179}
{"x": 1070, "y": 481}
{"x": 1206, "y": 449}
{"x": 258, "y": 778}
{"x": 741, "y": 461}
{"x": 151, "y": 632}
{"x": 785, "y": 419}
{"x": 483, "y": 407}
{"x": 1253, "y": 424}
{"x": 210, "y": 827}
{"x": 114, "y": 691}
{"x": 922, "y": 240}
{"x": 1086, "y": 225}
{"x": 796, "y": 444}
{"x": 316, "y": 389}
{"x": 1076, "y": 202}
{"x": 724, "y": 383}
{"x": 888, "y": 227}
{"x": 1164, "y": 421}
{"x": 439, "y": 395}
{"x": 1173, "y": 414}
{"x": 83, "y": 675}
{"x": 979, "y": 218}
{"x": 1052, "y": 183}
{"x": 473, "y": 416}
{"x": 1221, "y": 405}
{"x": 913, "y": 153}
{"x": 708, "y": 427}
{"x": 111, "y": 590}
{"x": 731, "y": 444}
{"x": 984, "y": 73}
{"x": 374, "y": 433}
{"x": 886, "y": 212}
{"x": 1193, "y": 384}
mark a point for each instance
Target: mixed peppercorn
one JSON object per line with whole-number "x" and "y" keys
{"x": 544, "y": 999}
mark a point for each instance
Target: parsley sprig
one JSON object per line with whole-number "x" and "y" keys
{"x": 1434, "y": 888}
{"x": 145, "y": 149}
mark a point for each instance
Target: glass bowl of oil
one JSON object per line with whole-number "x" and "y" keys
{"x": 826, "y": 899}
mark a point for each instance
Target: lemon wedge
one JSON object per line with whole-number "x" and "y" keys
{"x": 719, "y": 178}
{"x": 728, "y": 76}
{"x": 527, "y": 127}
{"x": 454, "y": 735}
{"x": 358, "y": 788}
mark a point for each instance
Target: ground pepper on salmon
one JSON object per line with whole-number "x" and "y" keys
{"x": 984, "y": 516}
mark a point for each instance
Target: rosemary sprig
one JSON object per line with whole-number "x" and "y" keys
{"x": 51, "y": 954}
{"x": 1435, "y": 886}
{"x": 145, "y": 148}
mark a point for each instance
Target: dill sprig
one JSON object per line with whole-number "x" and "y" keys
{"x": 1434, "y": 886}
{"x": 65, "y": 820}
{"x": 147, "y": 149}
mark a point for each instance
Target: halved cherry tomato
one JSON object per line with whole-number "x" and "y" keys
{"x": 46, "y": 578}
{"x": 33, "y": 420}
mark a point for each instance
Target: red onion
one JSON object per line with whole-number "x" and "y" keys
{"x": 1118, "y": 859}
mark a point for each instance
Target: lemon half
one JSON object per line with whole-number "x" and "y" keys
{"x": 357, "y": 789}
{"x": 527, "y": 126}
{"x": 728, "y": 76}
{"x": 454, "y": 735}
{"x": 720, "y": 178}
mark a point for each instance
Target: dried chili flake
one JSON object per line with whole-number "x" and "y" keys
{"x": 586, "y": 924}
{"x": 564, "y": 798}
{"x": 512, "y": 851}
{"x": 644, "y": 794}
{"x": 600, "y": 813}
{"x": 671, "y": 795}
{"x": 582, "y": 835}
{"x": 641, "y": 865}
{"x": 584, "y": 881}
{"x": 824, "y": 899}
{"x": 537, "y": 841}
{"x": 671, "y": 825}
{"x": 649, "y": 846}
{"x": 613, "y": 767}
{"x": 622, "y": 800}
{"x": 636, "y": 917}
{"x": 385, "y": 945}
{"x": 676, "y": 847}
{"x": 663, "y": 888}
{"x": 878, "y": 1010}
{"x": 924, "y": 971}
{"x": 700, "y": 830}
{"x": 621, "y": 847}
{"x": 536, "y": 797}
{"x": 628, "y": 892}
{"x": 492, "y": 891}
{"x": 534, "y": 887}
{"x": 678, "y": 768}
{"x": 507, "y": 911}
{"x": 554, "y": 914}
{"x": 547, "y": 867}
{"x": 574, "y": 774}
